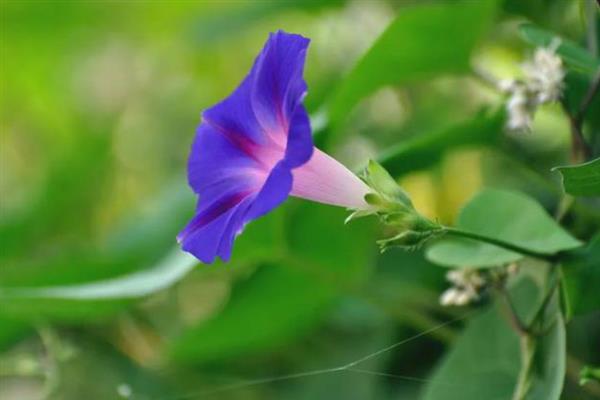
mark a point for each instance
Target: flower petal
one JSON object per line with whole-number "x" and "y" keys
{"x": 208, "y": 211}
{"x": 299, "y": 147}
{"x": 276, "y": 189}
{"x": 278, "y": 86}
{"x": 214, "y": 159}
{"x": 235, "y": 227}
{"x": 235, "y": 115}
{"x": 212, "y": 231}
{"x": 203, "y": 239}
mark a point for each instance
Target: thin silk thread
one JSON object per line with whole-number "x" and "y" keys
{"x": 349, "y": 367}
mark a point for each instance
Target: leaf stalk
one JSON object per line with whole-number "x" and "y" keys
{"x": 500, "y": 243}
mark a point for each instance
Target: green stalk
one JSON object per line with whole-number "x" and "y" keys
{"x": 497, "y": 242}
{"x": 528, "y": 345}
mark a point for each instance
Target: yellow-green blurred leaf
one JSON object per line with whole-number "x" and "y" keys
{"x": 423, "y": 41}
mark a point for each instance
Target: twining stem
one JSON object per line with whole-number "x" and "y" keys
{"x": 528, "y": 336}
{"x": 511, "y": 314}
{"x": 497, "y": 242}
{"x": 580, "y": 150}
{"x": 587, "y": 99}
{"x": 527, "y": 341}
{"x": 528, "y": 344}
{"x": 539, "y": 315}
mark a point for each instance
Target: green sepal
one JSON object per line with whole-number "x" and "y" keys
{"x": 374, "y": 200}
{"x": 589, "y": 373}
{"x": 409, "y": 240}
{"x": 394, "y": 208}
{"x": 359, "y": 214}
{"x": 385, "y": 186}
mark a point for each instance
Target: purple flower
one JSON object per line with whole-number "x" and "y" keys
{"x": 253, "y": 149}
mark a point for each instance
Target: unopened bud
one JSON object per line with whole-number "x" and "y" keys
{"x": 409, "y": 240}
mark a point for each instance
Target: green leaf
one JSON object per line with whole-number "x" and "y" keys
{"x": 484, "y": 362}
{"x": 338, "y": 342}
{"x": 565, "y": 299}
{"x": 273, "y": 306}
{"x": 466, "y": 253}
{"x": 137, "y": 284}
{"x": 581, "y": 270}
{"x": 110, "y": 367}
{"x": 261, "y": 239}
{"x": 318, "y": 239}
{"x": 412, "y": 49}
{"x": 87, "y": 300}
{"x": 426, "y": 149}
{"x": 511, "y": 217}
{"x": 103, "y": 275}
{"x": 582, "y": 179}
{"x": 286, "y": 297}
{"x": 569, "y": 51}
{"x": 550, "y": 369}
{"x": 72, "y": 186}
{"x": 12, "y": 330}
{"x": 209, "y": 27}
{"x": 136, "y": 261}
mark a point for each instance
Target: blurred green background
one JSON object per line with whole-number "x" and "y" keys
{"x": 98, "y": 106}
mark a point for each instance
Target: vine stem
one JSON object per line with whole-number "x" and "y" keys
{"x": 511, "y": 314}
{"x": 527, "y": 340}
{"x": 581, "y": 150}
{"x": 497, "y": 242}
{"x": 528, "y": 344}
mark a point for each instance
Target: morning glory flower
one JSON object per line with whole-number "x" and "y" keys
{"x": 254, "y": 149}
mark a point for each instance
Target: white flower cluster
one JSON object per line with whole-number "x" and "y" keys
{"x": 542, "y": 83}
{"x": 467, "y": 284}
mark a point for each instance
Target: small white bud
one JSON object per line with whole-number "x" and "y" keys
{"x": 455, "y": 276}
{"x": 124, "y": 391}
{"x": 476, "y": 280}
{"x": 512, "y": 269}
{"x": 448, "y": 297}
{"x": 545, "y": 75}
{"x": 466, "y": 285}
{"x": 519, "y": 110}
{"x": 462, "y": 298}
{"x": 507, "y": 85}
{"x": 543, "y": 83}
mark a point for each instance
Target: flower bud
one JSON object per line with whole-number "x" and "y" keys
{"x": 394, "y": 207}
